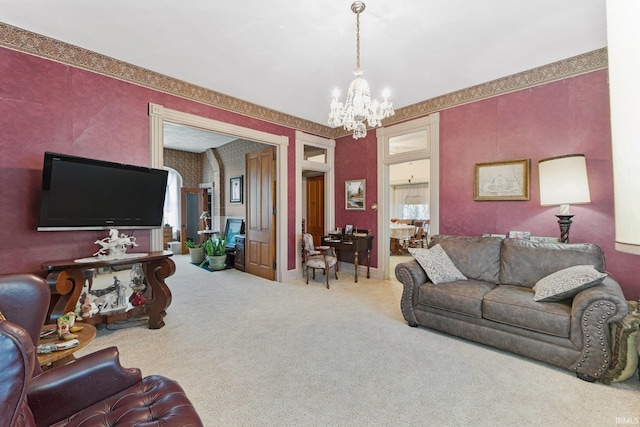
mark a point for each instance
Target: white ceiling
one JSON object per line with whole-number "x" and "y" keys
{"x": 185, "y": 138}
{"x": 288, "y": 55}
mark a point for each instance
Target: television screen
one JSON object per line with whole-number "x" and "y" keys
{"x": 87, "y": 194}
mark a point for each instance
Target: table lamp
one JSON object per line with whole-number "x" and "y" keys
{"x": 206, "y": 216}
{"x": 563, "y": 181}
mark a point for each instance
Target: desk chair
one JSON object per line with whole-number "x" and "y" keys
{"x": 417, "y": 240}
{"x": 396, "y": 246}
{"x": 321, "y": 257}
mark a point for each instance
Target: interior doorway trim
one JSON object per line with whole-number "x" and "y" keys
{"x": 431, "y": 124}
{"x": 159, "y": 114}
{"x": 327, "y": 168}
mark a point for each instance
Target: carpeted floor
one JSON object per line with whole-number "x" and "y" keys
{"x": 251, "y": 352}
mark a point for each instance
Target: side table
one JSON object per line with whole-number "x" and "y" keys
{"x": 57, "y": 358}
{"x": 240, "y": 254}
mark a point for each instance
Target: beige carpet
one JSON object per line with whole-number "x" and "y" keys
{"x": 250, "y": 352}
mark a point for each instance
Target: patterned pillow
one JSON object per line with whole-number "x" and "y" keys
{"x": 437, "y": 264}
{"x": 567, "y": 283}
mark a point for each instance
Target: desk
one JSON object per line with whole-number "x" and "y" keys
{"x": 57, "y": 358}
{"x": 353, "y": 244}
{"x": 66, "y": 279}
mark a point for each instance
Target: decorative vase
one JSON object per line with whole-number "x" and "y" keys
{"x": 217, "y": 262}
{"x": 197, "y": 255}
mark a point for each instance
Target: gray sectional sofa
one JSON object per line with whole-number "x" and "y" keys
{"x": 495, "y": 304}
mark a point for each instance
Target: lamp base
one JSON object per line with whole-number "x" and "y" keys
{"x": 565, "y": 224}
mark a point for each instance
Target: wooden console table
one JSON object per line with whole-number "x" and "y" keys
{"x": 66, "y": 280}
{"x": 353, "y": 244}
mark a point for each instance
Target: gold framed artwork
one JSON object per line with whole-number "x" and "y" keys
{"x": 505, "y": 180}
{"x": 354, "y": 193}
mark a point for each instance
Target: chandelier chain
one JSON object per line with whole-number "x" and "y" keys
{"x": 357, "y": 39}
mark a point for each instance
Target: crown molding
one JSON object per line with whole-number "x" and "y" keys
{"x": 45, "y": 47}
{"x": 570, "y": 67}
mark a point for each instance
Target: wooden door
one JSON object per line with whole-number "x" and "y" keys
{"x": 315, "y": 208}
{"x": 193, "y": 203}
{"x": 260, "y": 240}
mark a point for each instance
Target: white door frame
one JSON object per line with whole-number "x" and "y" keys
{"x": 327, "y": 168}
{"x": 159, "y": 114}
{"x": 431, "y": 124}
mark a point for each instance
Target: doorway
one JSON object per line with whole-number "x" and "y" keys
{"x": 158, "y": 114}
{"x": 193, "y": 204}
{"x": 314, "y": 207}
{"x": 314, "y": 157}
{"x": 415, "y": 143}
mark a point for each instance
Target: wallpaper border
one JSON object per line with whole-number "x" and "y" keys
{"x": 45, "y": 47}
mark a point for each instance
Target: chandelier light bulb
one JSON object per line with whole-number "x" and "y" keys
{"x": 358, "y": 106}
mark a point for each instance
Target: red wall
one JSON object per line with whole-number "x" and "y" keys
{"x": 356, "y": 159}
{"x": 47, "y": 106}
{"x": 564, "y": 117}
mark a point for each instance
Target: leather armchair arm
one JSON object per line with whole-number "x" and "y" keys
{"x": 591, "y": 313}
{"x": 411, "y": 275}
{"x": 60, "y": 392}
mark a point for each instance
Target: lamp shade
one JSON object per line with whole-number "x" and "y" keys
{"x": 563, "y": 180}
{"x": 623, "y": 34}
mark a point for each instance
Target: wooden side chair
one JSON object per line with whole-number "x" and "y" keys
{"x": 395, "y": 246}
{"x": 320, "y": 257}
{"x": 415, "y": 241}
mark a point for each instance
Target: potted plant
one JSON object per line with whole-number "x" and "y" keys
{"x": 216, "y": 254}
{"x": 196, "y": 252}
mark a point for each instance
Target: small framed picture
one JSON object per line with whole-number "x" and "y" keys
{"x": 235, "y": 189}
{"x": 354, "y": 194}
{"x": 348, "y": 229}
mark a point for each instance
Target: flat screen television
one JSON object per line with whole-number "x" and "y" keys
{"x": 88, "y": 194}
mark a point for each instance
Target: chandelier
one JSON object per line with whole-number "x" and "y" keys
{"x": 358, "y": 107}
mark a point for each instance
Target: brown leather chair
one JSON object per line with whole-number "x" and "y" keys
{"x": 94, "y": 390}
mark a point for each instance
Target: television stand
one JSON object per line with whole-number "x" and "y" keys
{"x": 66, "y": 280}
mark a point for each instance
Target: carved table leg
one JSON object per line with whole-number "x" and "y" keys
{"x": 156, "y": 271}
{"x": 66, "y": 286}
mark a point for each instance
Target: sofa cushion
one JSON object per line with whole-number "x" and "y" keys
{"x": 523, "y": 262}
{"x": 567, "y": 283}
{"x": 437, "y": 264}
{"x": 476, "y": 257}
{"x": 464, "y": 296}
{"x": 514, "y": 305}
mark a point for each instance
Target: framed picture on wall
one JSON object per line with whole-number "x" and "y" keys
{"x": 507, "y": 180}
{"x": 354, "y": 195}
{"x": 235, "y": 189}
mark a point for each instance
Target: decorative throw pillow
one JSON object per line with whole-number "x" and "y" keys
{"x": 437, "y": 264}
{"x": 567, "y": 283}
